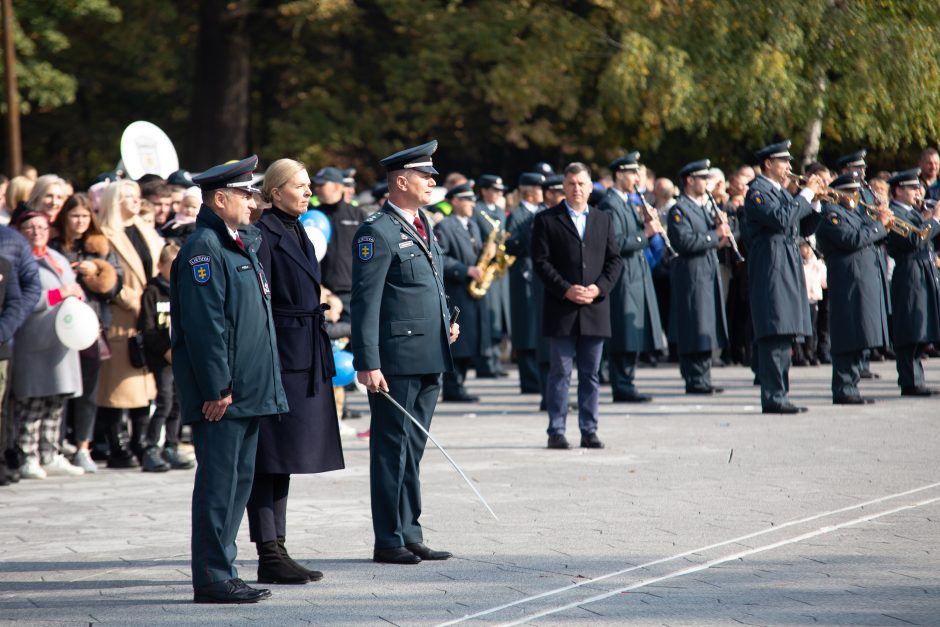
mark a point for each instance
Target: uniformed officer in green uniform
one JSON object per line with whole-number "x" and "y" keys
{"x": 227, "y": 372}
{"x": 401, "y": 336}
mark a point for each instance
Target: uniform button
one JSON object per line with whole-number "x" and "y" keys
{"x": 708, "y": 238}
{"x": 638, "y": 238}
{"x": 409, "y": 331}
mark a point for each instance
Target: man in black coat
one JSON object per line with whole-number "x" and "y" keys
{"x": 636, "y": 327}
{"x": 914, "y": 284}
{"x": 848, "y": 239}
{"x": 460, "y": 241}
{"x": 696, "y": 315}
{"x": 525, "y": 292}
{"x": 774, "y": 222}
{"x": 575, "y": 254}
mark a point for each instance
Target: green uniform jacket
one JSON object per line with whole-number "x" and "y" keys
{"x": 400, "y": 320}
{"x": 222, "y": 330}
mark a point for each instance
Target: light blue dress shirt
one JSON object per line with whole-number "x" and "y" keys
{"x": 580, "y": 221}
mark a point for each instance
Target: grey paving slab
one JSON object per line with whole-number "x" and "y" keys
{"x": 643, "y": 532}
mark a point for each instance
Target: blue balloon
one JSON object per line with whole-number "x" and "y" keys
{"x": 318, "y": 219}
{"x": 345, "y": 373}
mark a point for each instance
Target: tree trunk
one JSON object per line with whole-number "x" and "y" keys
{"x": 218, "y": 119}
{"x": 814, "y": 132}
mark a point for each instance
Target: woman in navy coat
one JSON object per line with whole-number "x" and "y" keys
{"x": 306, "y": 439}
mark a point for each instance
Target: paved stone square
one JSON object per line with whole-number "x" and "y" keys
{"x": 700, "y": 511}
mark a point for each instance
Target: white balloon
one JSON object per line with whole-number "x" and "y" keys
{"x": 318, "y": 239}
{"x": 76, "y": 324}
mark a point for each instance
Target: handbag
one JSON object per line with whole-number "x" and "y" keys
{"x": 135, "y": 351}
{"x": 100, "y": 350}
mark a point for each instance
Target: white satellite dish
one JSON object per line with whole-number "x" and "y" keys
{"x": 145, "y": 149}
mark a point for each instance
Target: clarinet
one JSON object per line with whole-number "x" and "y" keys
{"x": 650, "y": 215}
{"x": 720, "y": 218}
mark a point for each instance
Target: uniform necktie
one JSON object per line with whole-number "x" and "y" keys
{"x": 241, "y": 244}
{"x": 419, "y": 227}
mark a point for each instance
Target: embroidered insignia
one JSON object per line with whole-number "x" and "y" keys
{"x": 758, "y": 199}
{"x": 372, "y": 218}
{"x": 677, "y": 218}
{"x": 202, "y": 269}
{"x": 834, "y": 219}
{"x": 365, "y": 246}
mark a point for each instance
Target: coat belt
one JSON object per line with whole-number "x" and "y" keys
{"x": 321, "y": 342}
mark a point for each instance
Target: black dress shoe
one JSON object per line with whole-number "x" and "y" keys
{"x": 502, "y": 374}
{"x": 463, "y": 397}
{"x": 853, "y": 400}
{"x": 786, "y": 408}
{"x": 706, "y": 390}
{"x": 919, "y": 391}
{"x": 868, "y": 374}
{"x": 558, "y": 440}
{"x": 591, "y": 441}
{"x": 426, "y": 553}
{"x": 229, "y": 591}
{"x": 633, "y": 398}
{"x": 399, "y": 555}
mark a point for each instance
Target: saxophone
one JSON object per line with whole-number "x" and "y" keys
{"x": 493, "y": 265}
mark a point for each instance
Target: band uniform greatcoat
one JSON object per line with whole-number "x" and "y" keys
{"x": 497, "y": 298}
{"x": 525, "y": 288}
{"x": 635, "y": 323}
{"x": 696, "y": 316}
{"x": 774, "y": 222}
{"x": 562, "y": 259}
{"x": 306, "y": 438}
{"x": 915, "y": 284}
{"x": 461, "y": 248}
{"x": 857, "y": 285}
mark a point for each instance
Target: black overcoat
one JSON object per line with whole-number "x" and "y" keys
{"x": 563, "y": 259}
{"x": 858, "y": 307}
{"x": 774, "y": 222}
{"x": 461, "y": 247}
{"x": 306, "y": 438}
{"x": 697, "y": 320}
{"x": 634, "y": 311}
{"x": 915, "y": 293}
{"x": 525, "y": 288}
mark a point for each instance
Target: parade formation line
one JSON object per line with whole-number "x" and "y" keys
{"x": 711, "y": 563}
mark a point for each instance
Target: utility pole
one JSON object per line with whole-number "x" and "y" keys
{"x": 15, "y": 144}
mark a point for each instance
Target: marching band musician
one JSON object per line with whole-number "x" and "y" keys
{"x": 697, "y": 318}
{"x": 635, "y": 324}
{"x": 848, "y": 238}
{"x": 490, "y": 214}
{"x": 459, "y": 238}
{"x": 914, "y": 284}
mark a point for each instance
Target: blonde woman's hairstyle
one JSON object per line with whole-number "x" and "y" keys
{"x": 18, "y": 191}
{"x": 43, "y": 183}
{"x": 109, "y": 211}
{"x": 277, "y": 174}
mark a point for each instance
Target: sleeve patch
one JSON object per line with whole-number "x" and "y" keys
{"x": 677, "y": 217}
{"x": 202, "y": 268}
{"x": 834, "y": 219}
{"x": 758, "y": 198}
{"x": 365, "y": 246}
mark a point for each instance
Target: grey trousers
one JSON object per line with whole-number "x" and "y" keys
{"x": 585, "y": 352}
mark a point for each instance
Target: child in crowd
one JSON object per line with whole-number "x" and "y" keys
{"x": 154, "y": 326}
{"x": 815, "y": 272}
{"x": 183, "y": 222}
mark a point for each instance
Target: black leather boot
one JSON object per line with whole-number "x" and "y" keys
{"x": 312, "y": 575}
{"x": 273, "y": 568}
{"x": 120, "y": 455}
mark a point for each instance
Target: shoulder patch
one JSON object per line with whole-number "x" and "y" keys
{"x": 834, "y": 219}
{"x": 758, "y": 198}
{"x": 676, "y": 217}
{"x": 365, "y": 246}
{"x": 202, "y": 268}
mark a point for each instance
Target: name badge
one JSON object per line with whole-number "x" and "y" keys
{"x": 247, "y": 266}
{"x": 406, "y": 244}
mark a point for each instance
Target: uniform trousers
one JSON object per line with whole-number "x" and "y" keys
{"x": 267, "y": 507}
{"x": 585, "y": 352}
{"x": 454, "y": 380}
{"x": 529, "y": 378}
{"x": 773, "y": 369}
{"x": 909, "y": 365}
{"x": 225, "y": 455}
{"x": 396, "y": 447}
{"x": 696, "y": 369}
{"x": 622, "y": 372}
{"x": 846, "y": 373}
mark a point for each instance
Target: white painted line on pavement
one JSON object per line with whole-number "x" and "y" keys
{"x": 709, "y": 547}
{"x": 720, "y": 560}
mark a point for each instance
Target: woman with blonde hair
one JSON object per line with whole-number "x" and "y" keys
{"x": 48, "y": 195}
{"x": 18, "y": 191}
{"x": 124, "y": 383}
{"x": 306, "y": 439}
